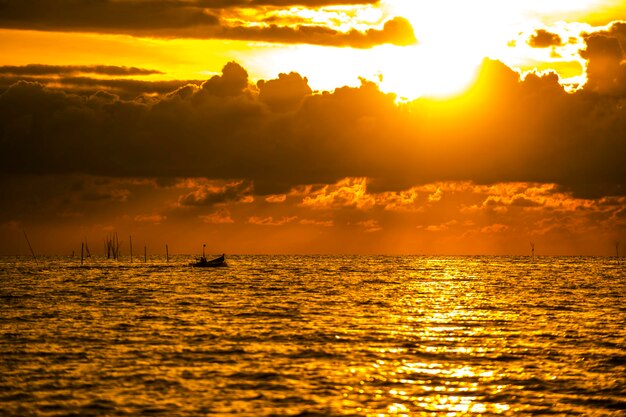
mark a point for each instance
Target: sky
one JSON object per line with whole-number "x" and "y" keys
{"x": 448, "y": 127}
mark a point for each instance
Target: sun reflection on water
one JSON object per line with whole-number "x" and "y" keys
{"x": 445, "y": 365}
{"x": 439, "y": 387}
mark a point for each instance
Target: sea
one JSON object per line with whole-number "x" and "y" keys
{"x": 313, "y": 336}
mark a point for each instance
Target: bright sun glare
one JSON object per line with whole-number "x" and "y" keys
{"x": 444, "y": 61}
{"x": 454, "y": 36}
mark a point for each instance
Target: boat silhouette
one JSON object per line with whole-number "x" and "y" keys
{"x": 220, "y": 261}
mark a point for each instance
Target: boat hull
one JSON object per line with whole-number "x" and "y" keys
{"x": 208, "y": 264}
{"x": 203, "y": 262}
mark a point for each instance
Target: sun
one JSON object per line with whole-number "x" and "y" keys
{"x": 444, "y": 61}
{"x": 420, "y": 71}
{"x": 454, "y": 37}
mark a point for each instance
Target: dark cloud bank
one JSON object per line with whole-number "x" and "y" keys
{"x": 278, "y": 134}
{"x": 202, "y": 19}
{"x": 39, "y": 69}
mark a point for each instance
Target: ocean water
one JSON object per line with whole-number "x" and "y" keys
{"x": 314, "y": 336}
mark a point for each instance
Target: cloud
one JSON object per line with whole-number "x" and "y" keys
{"x": 39, "y": 69}
{"x": 396, "y": 31}
{"x": 113, "y": 16}
{"x": 440, "y": 227}
{"x": 606, "y": 67}
{"x": 126, "y": 89}
{"x": 286, "y": 3}
{"x": 278, "y": 198}
{"x": 350, "y": 192}
{"x": 284, "y": 93}
{"x": 99, "y": 195}
{"x": 232, "y": 82}
{"x": 202, "y": 19}
{"x": 405, "y": 200}
{"x": 270, "y": 138}
{"x": 53, "y": 206}
{"x": 313, "y": 222}
{"x": 209, "y": 194}
{"x": 270, "y": 221}
{"x": 55, "y": 197}
{"x": 150, "y": 218}
{"x": 221, "y": 216}
{"x": 495, "y": 228}
{"x": 370, "y": 226}
{"x": 544, "y": 39}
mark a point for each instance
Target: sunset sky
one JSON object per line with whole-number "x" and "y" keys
{"x": 314, "y": 126}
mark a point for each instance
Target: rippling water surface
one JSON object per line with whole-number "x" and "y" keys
{"x": 314, "y": 336}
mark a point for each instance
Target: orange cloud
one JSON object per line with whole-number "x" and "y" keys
{"x": 406, "y": 200}
{"x": 440, "y": 227}
{"x": 544, "y": 39}
{"x": 370, "y": 226}
{"x": 39, "y": 70}
{"x": 312, "y": 222}
{"x": 606, "y": 67}
{"x": 221, "y": 216}
{"x": 223, "y": 130}
{"x": 466, "y": 220}
{"x": 150, "y": 218}
{"x": 349, "y": 192}
{"x": 279, "y": 198}
{"x": 284, "y": 93}
{"x": 270, "y": 221}
{"x": 396, "y": 31}
{"x": 494, "y": 228}
{"x": 211, "y": 193}
{"x": 201, "y": 20}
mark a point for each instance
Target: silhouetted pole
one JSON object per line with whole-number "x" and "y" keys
{"x": 130, "y": 238}
{"x": 117, "y": 248}
{"x": 617, "y": 251}
{"x": 31, "y": 248}
{"x": 167, "y": 253}
{"x": 203, "y": 245}
{"x": 145, "y": 254}
{"x": 532, "y": 249}
{"x": 87, "y": 248}
{"x": 82, "y": 247}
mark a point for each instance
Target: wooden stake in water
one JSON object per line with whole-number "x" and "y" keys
{"x": 130, "y": 238}
{"x": 117, "y": 248}
{"x": 87, "y": 252}
{"x": 532, "y": 249}
{"x": 145, "y": 254}
{"x": 617, "y": 251}
{"x": 31, "y": 248}
{"x": 82, "y": 248}
{"x": 167, "y": 253}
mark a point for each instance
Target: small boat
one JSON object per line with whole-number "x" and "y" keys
{"x": 213, "y": 263}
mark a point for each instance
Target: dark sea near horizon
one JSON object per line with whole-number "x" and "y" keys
{"x": 314, "y": 336}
